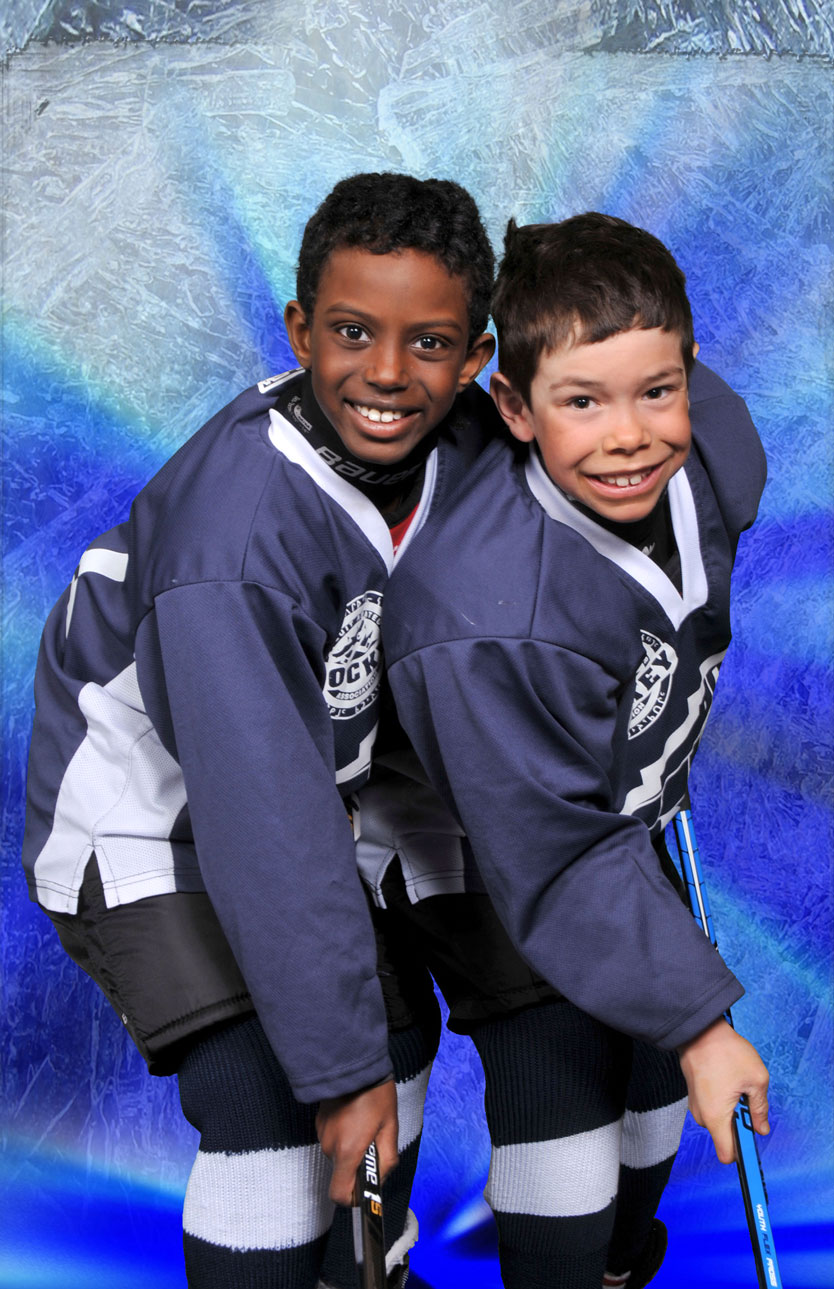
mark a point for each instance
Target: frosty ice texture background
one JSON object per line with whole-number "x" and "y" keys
{"x": 160, "y": 161}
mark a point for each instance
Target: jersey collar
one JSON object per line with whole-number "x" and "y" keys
{"x": 291, "y": 444}
{"x": 627, "y": 557}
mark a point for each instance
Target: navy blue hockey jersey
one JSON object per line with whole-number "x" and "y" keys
{"x": 206, "y": 694}
{"x": 555, "y": 685}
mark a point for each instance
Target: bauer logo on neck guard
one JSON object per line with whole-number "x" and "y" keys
{"x": 354, "y": 664}
{"x": 652, "y": 684}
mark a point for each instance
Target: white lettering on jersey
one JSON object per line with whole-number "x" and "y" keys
{"x": 652, "y": 684}
{"x": 354, "y": 664}
{"x": 273, "y": 382}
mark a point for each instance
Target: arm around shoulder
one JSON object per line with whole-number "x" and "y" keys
{"x": 729, "y": 445}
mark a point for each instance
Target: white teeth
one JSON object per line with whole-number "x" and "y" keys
{"x": 628, "y": 480}
{"x": 375, "y": 414}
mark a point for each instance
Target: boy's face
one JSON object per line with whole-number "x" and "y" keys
{"x": 388, "y": 348}
{"x": 611, "y": 419}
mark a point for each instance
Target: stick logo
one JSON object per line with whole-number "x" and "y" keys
{"x": 372, "y": 1176}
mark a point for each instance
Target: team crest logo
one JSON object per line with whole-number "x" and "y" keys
{"x": 354, "y": 664}
{"x": 652, "y": 684}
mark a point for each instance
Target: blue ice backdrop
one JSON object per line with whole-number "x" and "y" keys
{"x": 159, "y": 164}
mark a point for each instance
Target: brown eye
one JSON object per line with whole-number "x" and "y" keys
{"x": 429, "y": 343}
{"x": 352, "y": 331}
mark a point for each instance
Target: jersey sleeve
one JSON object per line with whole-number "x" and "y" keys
{"x": 251, "y": 732}
{"x": 518, "y": 736}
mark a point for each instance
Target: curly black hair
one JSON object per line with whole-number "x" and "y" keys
{"x": 592, "y": 276}
{"x": 384, "y": 212}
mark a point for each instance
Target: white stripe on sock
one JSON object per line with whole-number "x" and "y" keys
{"x": 262, "y": 1199}
{"x": 650, "y": 1136}
{"x": 564, "y": 1177}
{"x": 410, "y": 1097}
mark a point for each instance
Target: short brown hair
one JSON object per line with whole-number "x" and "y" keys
{"x": 592, "y": 274}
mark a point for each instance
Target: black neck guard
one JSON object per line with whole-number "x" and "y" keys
{"x": 383, "y": 486}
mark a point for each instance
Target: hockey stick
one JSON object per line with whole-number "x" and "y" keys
{"x": 749, "y": 1166}
{"x": 368, "y": 1238}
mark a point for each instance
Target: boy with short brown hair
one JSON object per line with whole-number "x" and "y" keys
{"x": 553, "y": 646}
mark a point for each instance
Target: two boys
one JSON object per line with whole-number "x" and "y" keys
{"x": 207, "y": 693}
{"x": 554, "y": 676}
{"x": 207, "y": 697}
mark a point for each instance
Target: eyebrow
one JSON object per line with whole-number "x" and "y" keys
{"x": 344, "y": 306}
{"x": 583, "y": 382}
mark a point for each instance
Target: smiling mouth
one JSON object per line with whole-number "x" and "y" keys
{"x": 631, "y": 480}
{"x": 378, "y": 415}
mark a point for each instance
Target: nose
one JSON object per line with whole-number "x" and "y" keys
{"x": 626, "y": 431}
{"x": 386, "y": 367}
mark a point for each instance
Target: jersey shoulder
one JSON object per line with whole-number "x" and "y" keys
{"x": 727, "y": 444}
{"x": 197, "y": 516}
{"x": 472, "y": 569}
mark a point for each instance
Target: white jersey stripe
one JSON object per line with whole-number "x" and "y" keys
{"x": 120, "y": 796}
{"x": 654, "y": 777}
{"x": 361, "y": 761}
{"x": 112, "y": 564}
{"x": 563, "y": 1177}
{"x": 650, "y": 1136}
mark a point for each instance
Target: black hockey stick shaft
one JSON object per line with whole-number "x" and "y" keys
{"x": 368, "y": 1235}
{"x": 750, "y": 1174}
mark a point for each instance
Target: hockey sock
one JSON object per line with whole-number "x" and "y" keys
{"x": 655, "y": 1113}
{"x": 555, "y": 1087}
{"x": 412, "y": 1051}
{"x": 257, "y": 1214}
{"x": 646, "y": 1265}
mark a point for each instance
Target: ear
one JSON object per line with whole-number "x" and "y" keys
{"x": 298, "y": 333}
{"x": 480, "y": 352}
{"x": 695, "y": 349}
{"x": 512, "y": 407}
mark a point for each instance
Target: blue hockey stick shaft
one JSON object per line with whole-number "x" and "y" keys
{"x": 748, "y": 1163}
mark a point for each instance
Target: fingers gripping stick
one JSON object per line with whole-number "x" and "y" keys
{"x": 748, "y": 1163}
{"x": 368, "y": 1238}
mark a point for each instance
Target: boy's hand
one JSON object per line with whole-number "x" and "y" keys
{"x": 346, "y": 1127}
{"x": 719, "y": 1067}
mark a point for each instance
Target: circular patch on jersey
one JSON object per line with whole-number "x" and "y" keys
{"x": 354, "y": 664}
{"x": 652, "y": 684}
